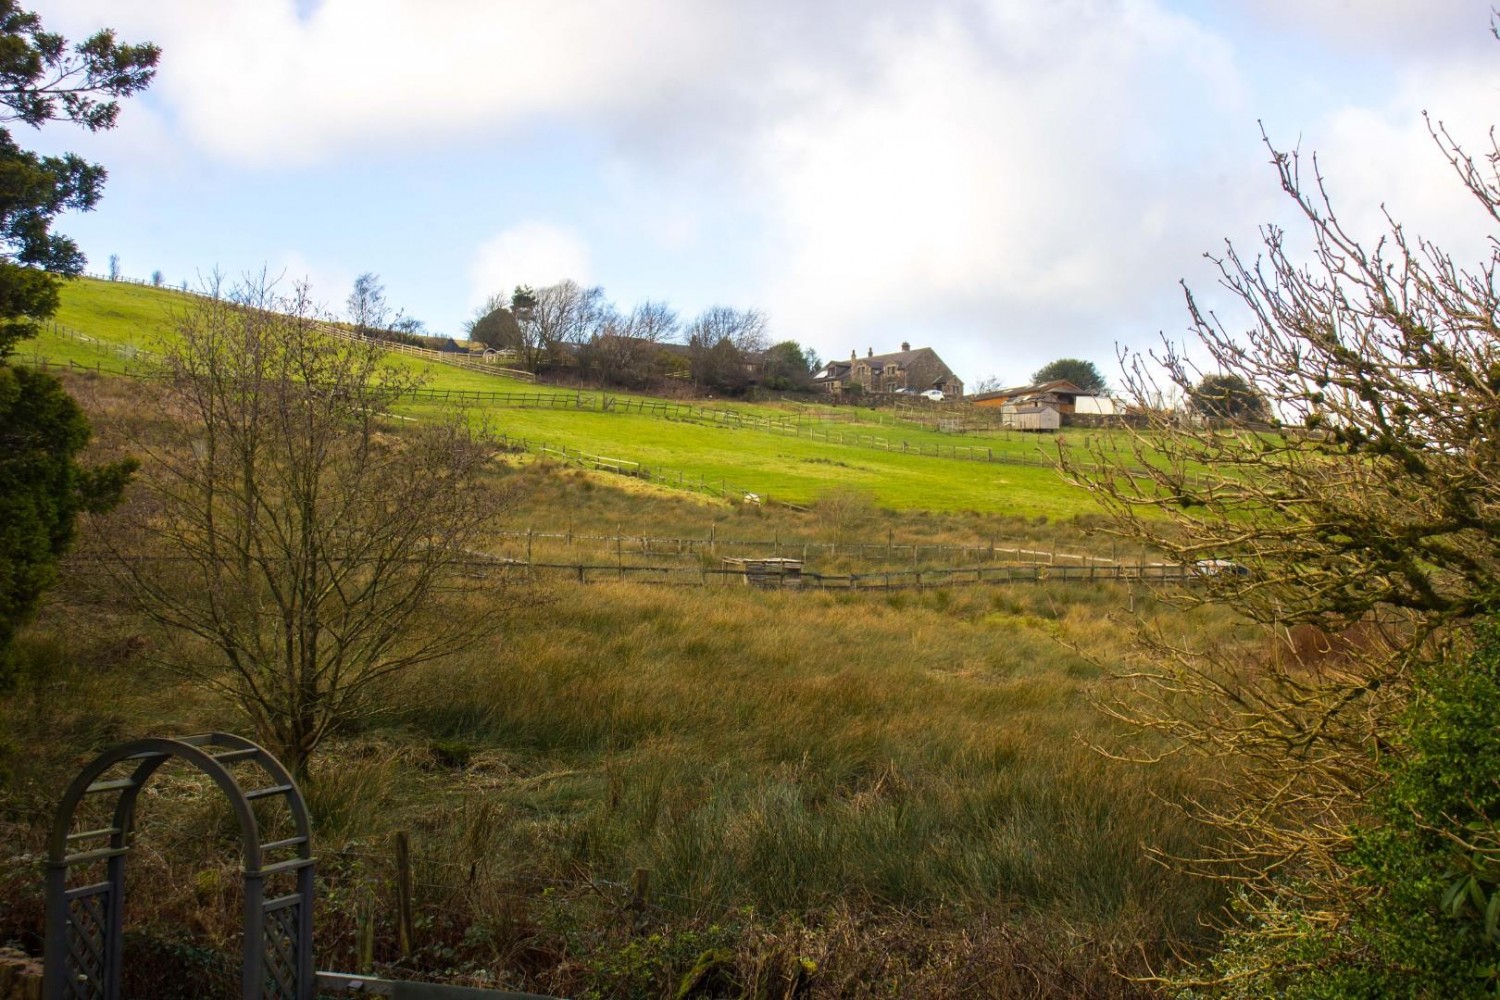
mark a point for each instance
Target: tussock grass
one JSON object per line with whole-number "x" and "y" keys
{"x": 892, "y": 793}
{"x": 843, "y": 764}
{"x": 913, "y": 758}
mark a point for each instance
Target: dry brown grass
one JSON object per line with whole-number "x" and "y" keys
{"x": 835, "y": 795}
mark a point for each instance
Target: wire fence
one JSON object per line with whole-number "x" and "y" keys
{"x": 916, "y": 579}
{"x": 788, "y": 574}
{"x": 890, "y": 550}
{"x": 137, "y": 362}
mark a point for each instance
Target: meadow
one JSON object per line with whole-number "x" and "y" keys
{"x": 899, "y": 790}
{"x": 644, "y": 791}
{"x": 874, "y": 451}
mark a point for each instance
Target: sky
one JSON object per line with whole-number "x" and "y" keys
{"x": 1005, "y": 181}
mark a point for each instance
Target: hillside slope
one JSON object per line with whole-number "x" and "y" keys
{"x": 792, "y": 452}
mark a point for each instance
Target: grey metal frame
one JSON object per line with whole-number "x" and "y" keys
{"x": 84, "y": 923}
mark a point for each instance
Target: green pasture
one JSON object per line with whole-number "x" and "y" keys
{"x": 786, "y": 468}
{"x": 121, "y": 312}
{"x": 876, "y": 452}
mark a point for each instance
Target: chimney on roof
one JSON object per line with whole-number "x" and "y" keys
{"x": 869, "y": 352}
{"x": 905, "y": 346}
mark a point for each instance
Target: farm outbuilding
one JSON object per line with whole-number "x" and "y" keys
{"x": 1060, "y": 394}
{"x": 1030, "y": 417}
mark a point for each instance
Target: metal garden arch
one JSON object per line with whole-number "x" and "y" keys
{"x": 84, "y": 922}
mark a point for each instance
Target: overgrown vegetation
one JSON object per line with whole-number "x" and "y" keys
{"x": 887, "y": 788}
{"x": 1422, "y": 864}
{"x": 833, "y": 795}
{"x": 1360, "y": 533}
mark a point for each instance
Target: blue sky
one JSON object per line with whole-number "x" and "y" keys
{"x": 1007, "y": 181}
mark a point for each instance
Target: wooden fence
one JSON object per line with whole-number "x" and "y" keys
{"x": 428, "y": 354}
{"x": 924, "y": 579}
{"x": 499, "y": 568}
{"x": 992, "y": 550}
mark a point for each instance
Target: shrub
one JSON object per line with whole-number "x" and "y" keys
{"x": 1425, "y": 865}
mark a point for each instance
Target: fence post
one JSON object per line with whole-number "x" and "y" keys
{"x": 640, "y": 886}
{"x": 364, "y": 934}
{"x": 404, "y": 925}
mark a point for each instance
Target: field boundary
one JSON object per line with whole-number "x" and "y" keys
{"x": 923, "y": 579}
{"x": 661, "y": 545}
{"x": 703, "y": 576}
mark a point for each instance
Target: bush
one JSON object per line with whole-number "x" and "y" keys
{"x": 1425, "y": 865}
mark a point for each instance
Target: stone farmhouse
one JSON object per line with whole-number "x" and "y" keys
{"x": 905, "y": 370}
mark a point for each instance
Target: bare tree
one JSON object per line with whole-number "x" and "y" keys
{"x": 366, "y": 304}
{"x": 722, "y": 343}
{"x": 408, "y": 326}
{"x": 653, "y": 322}
{"x": 747, "y": 329}
{"x": 560, "y": 318}
{"x": 990, "y": 383}
{"x": 1355, "y": 533}
{"x": 306, "y": 542}
{"x": 624, "y": 349}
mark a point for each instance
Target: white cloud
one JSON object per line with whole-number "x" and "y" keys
{"x": 1412, "y": 29}
{"x": 1011, "y": 200}
{"x": 256, "y": 81}
{"x": 1019, "y": 180}
{"x": 531, "y": 253}
{"x": 1383, "y": 158}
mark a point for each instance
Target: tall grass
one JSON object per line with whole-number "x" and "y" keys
{"x": 787, "y": 750}
{"x": 835, "y": 794}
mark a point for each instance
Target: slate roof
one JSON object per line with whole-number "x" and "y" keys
{"x": 924, "y": 369}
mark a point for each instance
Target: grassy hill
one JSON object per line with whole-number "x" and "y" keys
{"x": 828, "y": 790}
{"x": 791, "y": 452}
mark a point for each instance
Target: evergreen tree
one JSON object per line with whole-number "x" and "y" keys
{"x": 788, "y": 367}
{"x": 1229, "y": 397}
{"x": 1084, "y": 374}
{"x": 42, "y": 430}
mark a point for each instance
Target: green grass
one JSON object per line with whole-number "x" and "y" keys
{"x": 797, "y": 469}
{"x": 121, "y": 311}
{"x": 793, "y": 469}
{"x": 773, "y": 759}
{"x": 894, "y": 786}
